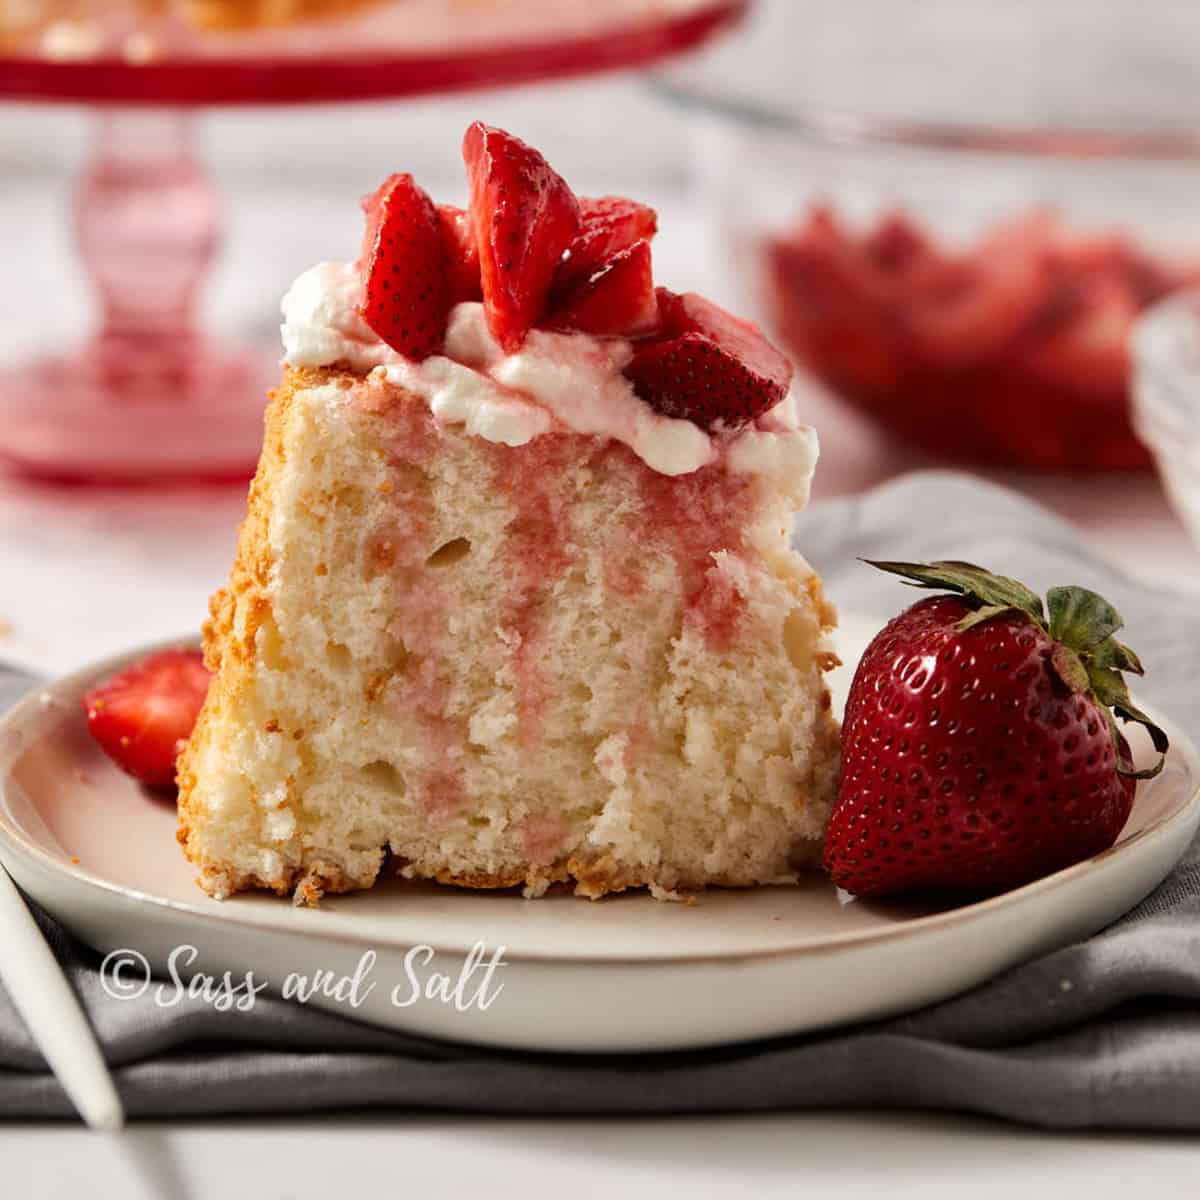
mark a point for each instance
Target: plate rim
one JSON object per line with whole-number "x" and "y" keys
{"x": 265, "y": 919}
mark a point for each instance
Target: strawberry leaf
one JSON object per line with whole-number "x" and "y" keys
{"x": 1104, "y": 667}
{"x": 1108, "y": 685}
{"x": 1069, "y": 668}
{"x": 986, "y": 613}
{"x": 1080, "y": 618}
{"x": 1117, "y": 656}
{"x": 969, "y": 581}
{"x": 1158, "y": 738}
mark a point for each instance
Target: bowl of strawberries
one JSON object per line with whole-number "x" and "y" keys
{"x": 961, "y": 249}
{"x": 1011, "y": 349}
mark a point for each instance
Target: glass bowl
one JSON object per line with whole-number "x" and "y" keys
{"x": 969, "y": 281}
{"x": 1166, "y": 398}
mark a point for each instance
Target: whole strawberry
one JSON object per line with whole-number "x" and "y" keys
{"x": 979, "y": 750}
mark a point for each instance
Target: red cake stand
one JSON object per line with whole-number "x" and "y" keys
{"x": 150, "y": 397}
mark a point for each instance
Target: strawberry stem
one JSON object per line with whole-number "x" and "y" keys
{"x": 967, "y": 580}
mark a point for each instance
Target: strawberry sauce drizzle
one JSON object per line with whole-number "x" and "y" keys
{"x": 533, "y": 477}
{"x": 623, "y": 577}
{"x": 637, "y": 735}
{"x": 401, "y": 548}
{"x": 693, "y": 517}
{"x": 543, "y": 835}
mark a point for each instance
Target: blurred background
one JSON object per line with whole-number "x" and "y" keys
{"x": 953, "y": 214}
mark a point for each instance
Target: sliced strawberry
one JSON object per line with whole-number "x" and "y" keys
{"x": 462, "y": 254}
{"x": 896, "y": 244}
{"x": 978, "y": 316}
{"x": 1103, "y": 253}
{"x": 688, "y": 312}
{"x": 405, "y": 297}
{"x": 1088, "y": 352}
{"x": 525, "y": 217}
{"x": 706, "y": 366}
{"x": 142, "y": 716}
{"x": 1111, "y": 255}
{"x": 834, "y": 307}
{"x": 618, "y": 300}
{"x": 608, "y": 225}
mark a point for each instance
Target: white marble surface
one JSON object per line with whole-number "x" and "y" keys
{"x": 852, "y": 1156}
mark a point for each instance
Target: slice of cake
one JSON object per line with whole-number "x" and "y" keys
{"x": 514, "y": 600}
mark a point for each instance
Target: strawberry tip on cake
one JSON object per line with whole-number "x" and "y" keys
{"x": 514, "y": 602}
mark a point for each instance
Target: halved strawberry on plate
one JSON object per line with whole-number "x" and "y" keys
{"x": 142, "y": 716}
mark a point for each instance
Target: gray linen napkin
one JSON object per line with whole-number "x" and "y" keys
{"x": 1103, "y": 1033}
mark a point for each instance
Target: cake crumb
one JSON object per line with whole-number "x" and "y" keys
{"x": 308, "y": 893}
{"x": 671, "y": 896}
{"x": 1065, "y": 985}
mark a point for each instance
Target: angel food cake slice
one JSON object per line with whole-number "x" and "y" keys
{"x": 514, "y": 600}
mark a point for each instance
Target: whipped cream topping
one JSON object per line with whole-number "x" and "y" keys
{"x": 555, "y": 380}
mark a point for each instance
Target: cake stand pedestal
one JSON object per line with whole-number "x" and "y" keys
{"x": 150, "y": 397}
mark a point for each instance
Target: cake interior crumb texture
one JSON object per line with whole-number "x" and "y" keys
{"x": 506, "y": 666}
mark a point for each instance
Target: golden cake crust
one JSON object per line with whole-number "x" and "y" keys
{"x": 229, "y": 644}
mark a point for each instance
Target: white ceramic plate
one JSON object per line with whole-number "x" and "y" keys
{"x": 625, "y": 974}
